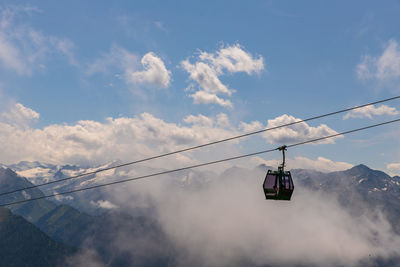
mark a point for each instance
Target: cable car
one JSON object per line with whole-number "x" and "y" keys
{"x": 278, "y": 185}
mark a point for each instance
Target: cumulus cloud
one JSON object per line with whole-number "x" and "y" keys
{"x": 385, "y": 67}
{"x": 130, "y": 138}
{"x": 234, "y": 59}
{"x": 202, "y": 97}
{"x": 19, "y": 115}
{"x": 93, "y": 142}
{"x": 206, "y": 77}
{"x": 223, "y": 120}
{"x": 298, "y": 132}
{"x": 210, "y": 66}
{"x": 155, "y": 72}
{"x": 24, "y": 49}
{"x": 199, "y": 120}
{"x": 251, "y": 127}
{"x": 369, "y": 111}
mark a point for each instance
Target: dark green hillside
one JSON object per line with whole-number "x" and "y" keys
{"x": 66, "y": 224}
{"x": 62, "y": 223}
{"x": 23, "y": 244}
{"x": 31, "y": 211}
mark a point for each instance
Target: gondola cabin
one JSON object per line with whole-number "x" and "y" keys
{"x": 278, "y": 185}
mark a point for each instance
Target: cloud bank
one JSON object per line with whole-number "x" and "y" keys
{"x": 98, "y": 142}
{"x": 229, "y": 223}
{"x": 129, "y": 138}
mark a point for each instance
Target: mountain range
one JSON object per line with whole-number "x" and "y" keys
{"x": 64, "y": 226}
{"x": 67, "y": 227}
{"x": 359, "y": 188}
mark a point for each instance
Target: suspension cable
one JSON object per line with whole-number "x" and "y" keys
{"x": 200, "y": 146}
{"x": 198, "y": 165}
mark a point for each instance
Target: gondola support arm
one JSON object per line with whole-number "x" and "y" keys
{"x": 283, "y": 149}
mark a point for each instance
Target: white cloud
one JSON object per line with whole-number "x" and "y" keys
{"x": 66, "y": 47}
{"x": 125, "y": 62}
{"x": 87, "y": 257}
{"x": 23, "y": 49}
{"x": 223, "y": 120}
{"x": 298, "y": 132}
{"x": 93, "y": 142}
{"x": 234, "y": 59}
{"x": 104, "y": 204}
{"x": 250, "y": 127}
{"x": 96, "y": 142}
{"x": 19, "y": 115}
{"x": 199, "y": 120}
{"x": 393, "y": 167}
{"x": 369, "y": 111}
{"x": 388, "y": 64}
{"x": 365, "y": 68}
{"x": 11, "y": 58}
{"x": 155, "y": 72}
{"x": 202, "y": 97}
{"x": 385, "y": 67}
{"x": 117, "y": 57}
{"x": 211, "y": 226}
{"x": 210, "y": 66}
{"x": 62, "y": 198}
{"x": 26, "y": 195}
{"x": 320, "y": 164}
{"x": 206, "y": 77}
{"x": 230, "y": 238}
{"x": 160, "y": 26}
{"x": 22, "y": 112}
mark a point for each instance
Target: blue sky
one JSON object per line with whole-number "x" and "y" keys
{"x": 65, "y": 63}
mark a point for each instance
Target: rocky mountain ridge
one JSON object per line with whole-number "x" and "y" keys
{"x": 357, "y": 189}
